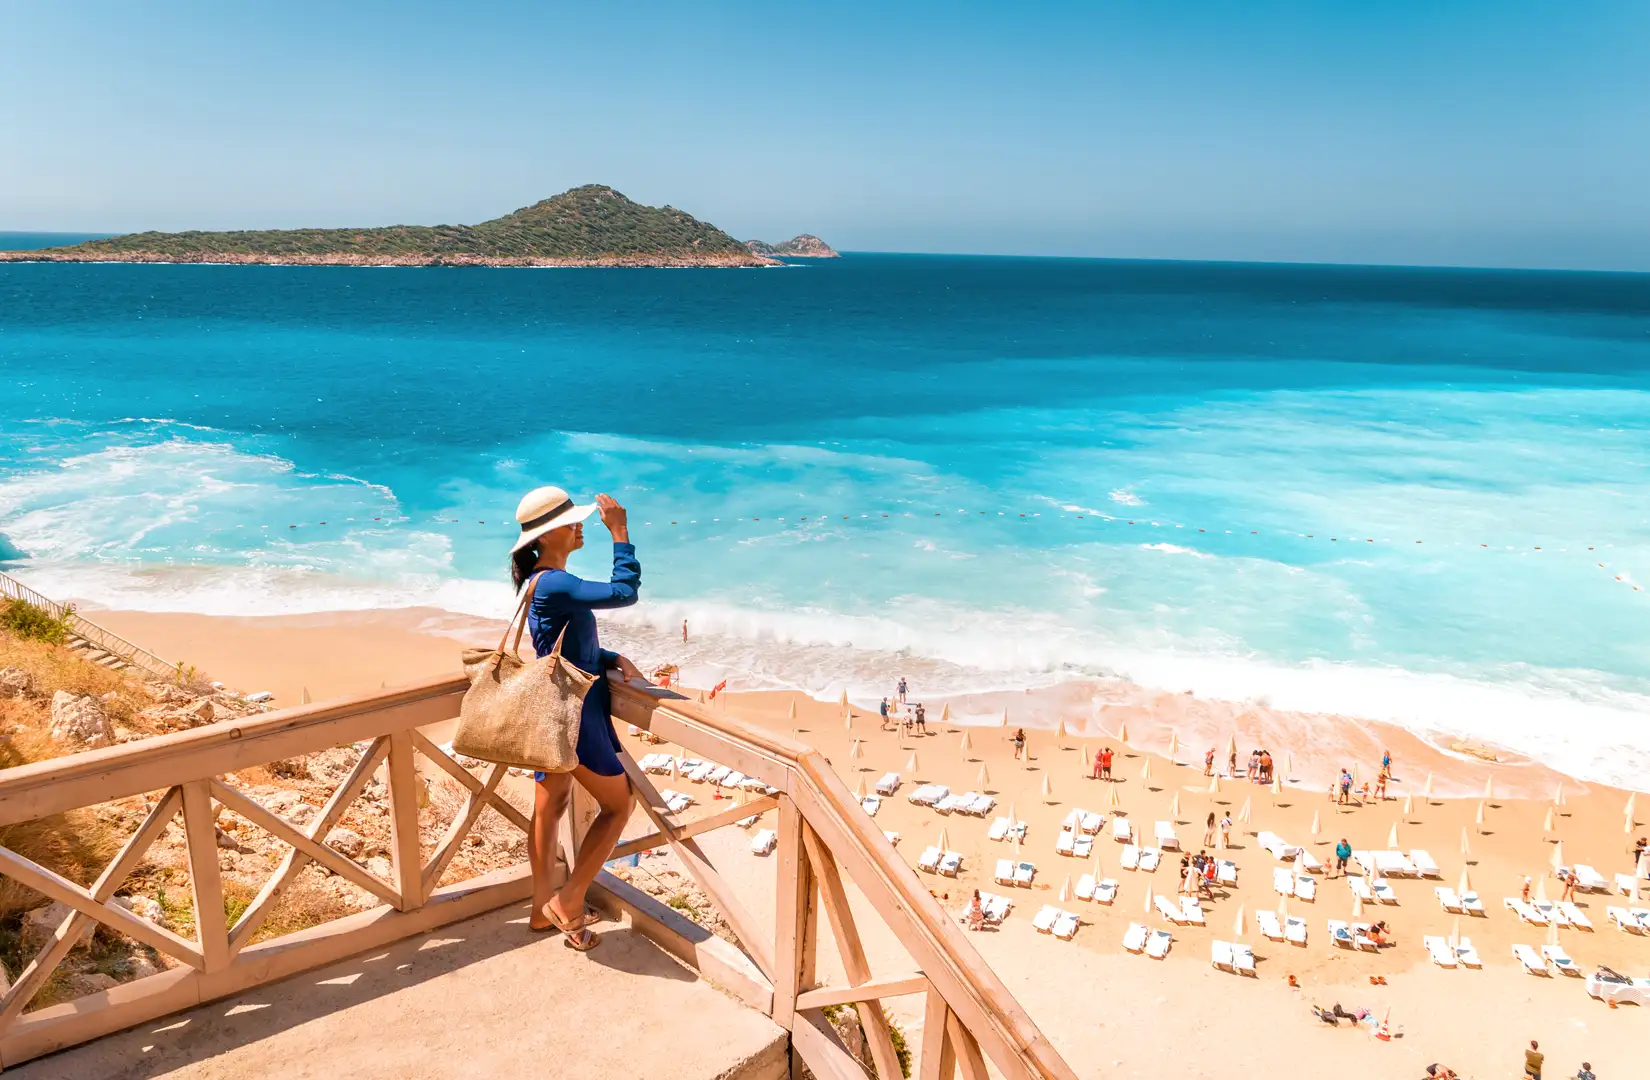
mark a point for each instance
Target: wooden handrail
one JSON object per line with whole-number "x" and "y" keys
{"x": 826, "y": 839}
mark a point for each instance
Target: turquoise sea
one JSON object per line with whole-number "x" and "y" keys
{"x": 1013, "y": 471}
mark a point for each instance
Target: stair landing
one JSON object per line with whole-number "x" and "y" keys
{"x": 477, "y": 998}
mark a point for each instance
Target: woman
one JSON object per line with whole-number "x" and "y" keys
{"x": 561, "y": 606}
{"x": 1209, "y": 831}
{"x": 1019, "y": 742}
{"x": 976, "y": 913}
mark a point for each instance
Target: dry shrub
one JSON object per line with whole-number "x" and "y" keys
{"x": 55, "y": 668}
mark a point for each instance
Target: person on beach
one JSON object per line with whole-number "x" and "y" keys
{"x": 883, "y": 710}
{"x": 922, "y": 718}
{"x": 1105, "y": 763}
{"x": 1231, "y": 764}
{"x": 562, "y": 607}
{"x": 1533, "y": 1057}
{"x": 1526, "y": 890}
{"x": 1586, "y": 1072}
{"x": 1380, "y": 787}
{"x": 1386, "y": 763}
{"x": 1343, "y": 853}
{"x": 1346, "y": 787}
{"x": 1570, "y": 883}
{"x": 902, "y": 689}
{"x": 1226, "y": 830}
{"x": 1019, "y": 742}
{"x": 1209, "y": 762}
{"x": 1254, "y": 766}
{"x": 976, "y": 913}
{"x": 1209, "y": 831}
{"x": 684, "y": 631}
{"x": 1098, "y": 754}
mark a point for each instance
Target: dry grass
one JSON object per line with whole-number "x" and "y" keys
{"x": 55, "y": 668}
{"x": 76, "y": 844}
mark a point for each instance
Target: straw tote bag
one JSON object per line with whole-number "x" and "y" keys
{"x": 522, "y": 712}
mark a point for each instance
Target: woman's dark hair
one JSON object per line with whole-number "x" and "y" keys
{"x": 522, "y": 563}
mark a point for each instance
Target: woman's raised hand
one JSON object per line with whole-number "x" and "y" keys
{"x": 613, "y": 516}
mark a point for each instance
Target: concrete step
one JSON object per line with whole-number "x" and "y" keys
{"x": 478, "y": 998}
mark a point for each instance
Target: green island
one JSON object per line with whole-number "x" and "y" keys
{"x": 805, "y": 246}
{"x": 592, "y": 225}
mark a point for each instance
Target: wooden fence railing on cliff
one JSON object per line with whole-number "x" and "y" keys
{"x": 825, "y": 841}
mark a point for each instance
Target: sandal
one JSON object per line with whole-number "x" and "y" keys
{"x": 578, "y": 937}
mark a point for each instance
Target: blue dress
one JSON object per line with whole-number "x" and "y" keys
{"x": 562, "y": 601}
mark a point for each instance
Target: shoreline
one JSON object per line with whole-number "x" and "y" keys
{"x": 719, "y": 262}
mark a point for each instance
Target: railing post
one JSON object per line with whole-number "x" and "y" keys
{"x": 796, "y": 920}
{"x": 201, "y": 835}
{"x": 404, "y": 792}
{"x": 936, "y": 1060}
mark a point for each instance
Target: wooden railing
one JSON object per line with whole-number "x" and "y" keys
{"x": 110, "y": 642}
{"x": 825, "y": 841}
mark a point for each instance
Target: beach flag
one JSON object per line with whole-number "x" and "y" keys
{"x": 1547, "y": 823}
{"x": 1409, "y": 805}
{"x": 984, "y": 779}
{"x": 966, "y": 744}
{"x": 1392, "y": 837}
{"x": 1478, "y": 819}
{"x": 1237, "y": 924}
{"x": 1123, "y": 732}
{"x": 859, "y": 791}
{"x": 1048, "y": 789}
{"x": 304, "y": 698}
{"x": 1174, "y": 805}
{"x": 945, "y": 713}
{"x": 718, "y": 688}
{"x": 1465, "y": 884}
{"x": 1146, "y": 771}
{"x": 1214, "y": 783}
{"x": 1558, "y": 855}
{"x": 1065, "y": 890}
{"x": 911, "y": 764}
{"x": 1246, "y": 813}
{"x": 1489, "y": 788}
{"x": 1317, "y": 826}
{"x": 1116, "y": 799}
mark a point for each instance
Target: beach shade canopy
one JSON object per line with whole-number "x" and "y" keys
{"x": 945, "y": 713}
{"x": 911, "y": 765}
{"x": 1214, "y": 783}
{"x": 1146, "y": 771}
{"x": 966, "y": 744}
{"x": 1116, "y": 799}
{"x": 1123, "y": 732}
{"x": 1392, "y": 837}
{"x": 1065, "y": 890}
{"x": 1246, "y": 813}
{"x": 859, "y": 791}
{"x": 1357, "y": 906}
{"x": 1174, "y": 745}
{"x": 1465, "y": 884}
{"x": 856, "y": 750}
{"x": 1317, "y": 826}
{"x": 1048, "y": 788}
{"x": 1466, "y": 848}
{"x": 1541, "y": 889}
{"x": 844, "y": 697}
{"x": 1426, "y": 789}
{"x": 984, "y": 779}
{"x": 1237, "y": 923}
{"x": 790, "y": 713}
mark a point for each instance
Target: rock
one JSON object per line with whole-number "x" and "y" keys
{"x": 41, "y": 923}
{"x": 202, "y": 711}
{"x": 141, "y": 967}
{"x": 144, "y": 907}
{"x": 110, "y": 696}
{"x": 15, "y": 682}
{"x": 80, "y": 720}
{"x": 89, "y": 982}
{"x": 226, "y": 861}
{"x": 289, "y": 804}
{"x": 227, "y": 842}
{"x": 380, "y": 867}
{"x": 347, "y": 843}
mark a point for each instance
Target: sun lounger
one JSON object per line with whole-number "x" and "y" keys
{"x": 717, "y": 775}
{"x": 893, "y": 837}
{"x": 1395, "y": 864}
{"x": 1004, "y": 874}
{"x": 949, "y": 804}
{"x": 871, "y": 803}
{"x": 1164, "y": 834}
{"x": 1192, "y": 909}
{"x": 1243, "y": 959}
{"x": 981, "y": 805}
{"x": 998, "y": 830}
{"x": 1577, "y": 917}
{"x": 1062, "y": 846}
{"x": 1082, "y": 846}
{"x": 1524, "y": 911}
{"x": 1424, "y": 864}
{"x": 1439, "y": 950}
{"x": 1085, "y": 887}
{"x": 1340, "y": 934}
{"x": 1625, "y": 883}
{"x": 1306, "y": 887}
{"x": 1624, "y": 921}
{"x": 1383, "y": 891}
{"x": 1360, "y": 889}
{"x": 1025, "y": 874}
{"x": 1134, "y": 938}
{"x": 1294, "y": 930}
{"x": 1589, "y": 879}
{"x": 1157, "y": 944}
{"x": 1447, "y": 899}
{"x": 1305, "y": 860}
{"x": 688, "y": 765}
{"x": 996, "y": 907}
{"x": 1121, "y": 831}
{"x": 1073, "y": 820}
{"x": 1643, "y": 916}
{"x": 1472, "y": 905}
{"x": 1220, "y": 955}
{"x": 1531, "y": 960}
{"x": 1268, "y": 923}
{"x": 1130, "y": 859}
{"x": 1274, "y": 843}
{"x": 1552, "y": 913}
{"x": 1283, "y": 882}
{"x": 1226, "y": 872}
{"x": 951, "y": 863}
{"x": 747, "y": 822}
{"x": 1092, "y": 822}
{"x": 1105, "y": 891}
{"x": 734, "y": 780}
{"x": 675, "y": 801}
{"x": 929, "y": 794}
{"x": 764, "y": 842}
{"x": 1043, "y": 922}
{"x": 888, "y": 784}
{"x": 1365, "y": 861}
{"x": 1361, "y": 938}
{"x": 1065, "y": 927}
{"x": 1168, "y": 910}
{"x": 699, "y": 774}
{"x": 654, "y": 763}
{"x": 1561, "y": 959}
{"x": 1468, "y": 955}
{"x": 1149, "y": 858}
{"x": 930, "y": 860}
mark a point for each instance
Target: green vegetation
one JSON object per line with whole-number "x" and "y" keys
{"x": 32, "y": 623}
{"x": 590, "y": 224}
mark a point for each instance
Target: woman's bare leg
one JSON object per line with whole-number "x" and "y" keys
{"x": 550, "y": 798}
{"x": 614, "y": 797}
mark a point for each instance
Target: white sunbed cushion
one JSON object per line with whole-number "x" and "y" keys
{"x": 1439, "y": 950}
{"x": 1134, "y": 938}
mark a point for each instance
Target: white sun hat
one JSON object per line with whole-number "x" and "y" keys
{"x": 546, "y": 508}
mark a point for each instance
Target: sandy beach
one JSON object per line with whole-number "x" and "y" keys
{"x": 1110, "y": 1012}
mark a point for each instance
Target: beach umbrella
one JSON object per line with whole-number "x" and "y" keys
{"x": 742, "y": 796}
{"x": 1123, "y": 732}
{"x": 1558, "y": 794}
{"x": 856, "y": 751}
{"x": 1005, "y": 716}
{"x": 945, "y": 713}
{"x": 1478, "y": 818}
{"x": 1231, "y": 745}
{"x": 859, "y": 791}
{"x": 1277, "y": 787}
{"x": 1317, "y": 826}
{"x": 1048, "y": 789}
{"x": 790, "y": 713}
{"x": 1012, "y": 819}
{"x": 1086, "y": 763}
{"x": 844, "y": 697}
{"x": 1409, "y": 805}
{"x": 1283, "y": 908}
{"x": 1392, "y": 837}
{"x": 1237, "y": 924}
{"x": 1465, "y": 884}
{"x": 1065, "y": 890}
{"x": 1174, "y": 805}
{"x": 1632, "y": 804}
{"x": 1354, "y": 774}
{"x": 848, "y": 720}
{"x": 675, "y": 767}
{"x": 984, "y": 779}
{"x": 1174, "y": 745}
{"x": 911, "y": 764}
{"x": 1427, "y": 790}
{"x": 1357, "y": 906}
{"x": 1148, "y": 904}
{"x": 1466, "y": 848}
{"x": 1489, "y": 788}
{"x": 944, "y": 843}
{"x": 1541, "y": 889}
{"x": 1558, "y": 855}
{"x": 1214, "y": 783}
{"x": 1246, "y": 813}
{"x": 1547, "y": 822}
{"x": 1060, "y": 731}
{"x": 1146, "y": 772}
{"x": 1552, "y": 933}
{"x": 1455, "y": 932}
{"x": 1116, "y": 799}
{"x": 1095, "y": 869}
{"x": 1288, "y": 764}
{"x": 304, "y": 699}
{"x": 966, "y": 744}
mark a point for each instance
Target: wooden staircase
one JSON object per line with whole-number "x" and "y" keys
{"x": 91, "y": 641}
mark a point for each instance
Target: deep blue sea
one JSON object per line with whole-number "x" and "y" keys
{"x": 1012, "y": 471}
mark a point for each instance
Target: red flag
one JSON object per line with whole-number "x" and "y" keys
{"x": 718, "y": 688}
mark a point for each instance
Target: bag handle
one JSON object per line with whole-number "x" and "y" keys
{"x": 519, "y": 623}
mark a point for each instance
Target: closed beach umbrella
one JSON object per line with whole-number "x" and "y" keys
{"x": 1246, "y": 813}
{"x": 1048, "y": 788}
{"x": 1016, "y": 847}
{"x": 1409, "y": 806}
{"x": 984, "y": 779}
{"x": 675, "y": 767}
{"x": 1547, "y": 822}
{"x": 1214, "y": 783}
{"x": 1237, "y": 924}
{"x": 1354, "y": 774}
{"x": 1095, "y": 869}
{"x": 1541, "y": 889}
{"x": 304, "y": 698}
{"x": 945, "y": 713}
{"x": 1465, "y": 884}
{"x": 844, "y": 697}
{"x": 1455, "y": 932}
{"x": 1552, "y": 933}
{"x": 944, "y": 842}
{"x": 1005, "y": 716}
{"x": 1277, "y": 787}
{"x": 1627, "y": 824}
{"x": 967, "y": 743}
{"x": 1231, "y": 744}
{"x": 1174, "y": 805}
{"x": 1317, "y": 826}
{"x": 1065, "y": 889}
{"x": 1283, "y": 908}
{"x": 848, "y": 720}
{"x": 1466, "y": 848}
{"x": 1489, "y": 788}
{"x": 1174, "y": 745}
{"x": 1060, "y": 730}
{"x": 1632, "y": 804}
{"x": 1558, "y": 794}
{"x": 1288, "y": 764}
{"x": 1148, "y": 904}
{"x": 911, "y": 764}
{"x": 1146, "y": 771}
{"x": 1357, "y": 906}
{"x": 860, "y": 790}
{"x": 1427, "y": 790}
{"x": 1558, "y": 855}
{"x": 790, "y": 712}
{"x": 1392, "y": 837}
{"x": 856, "y": 750}
{"x": 1478, "y": 818}
{"x": 1123, "y": 732}
{"x": 1116, "y": 799}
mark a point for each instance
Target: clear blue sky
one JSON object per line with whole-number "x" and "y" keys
{"x": 1495, "y": 133}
